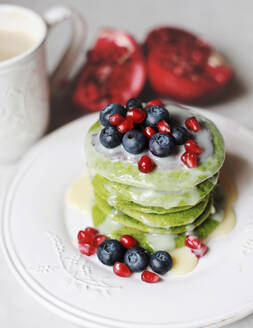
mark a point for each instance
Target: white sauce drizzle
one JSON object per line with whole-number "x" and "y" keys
{"x": 161, "y": 242}
{"x": 79, "y": 196}
{"x": 171, "y": 162}
{"x": 109, "y": 225}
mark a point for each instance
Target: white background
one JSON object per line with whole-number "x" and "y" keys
{"x": 227, "y": 24}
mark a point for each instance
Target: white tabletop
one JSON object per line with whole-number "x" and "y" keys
{"x": 227, "y": 24}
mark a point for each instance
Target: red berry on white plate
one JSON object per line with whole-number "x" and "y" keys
{"x": 192, "y": 124}
{"x": 87, "y": 249}
{"x": 201, "y": 251}
{"x": 192, "y": 242}
{"x": 99, "y": 239}
{"x": 116, "y": 119}
{"x": 155, "y": 102}
{"x": 146, "y": 165}
{"x": 149, "y": 132}
{"x": 163, "y": 127}
{"x": 193, "y": 146}
{"x": 120, "y": 269}
{"x": 125, "y": 126}
{"x": 85, "y": 237}
{"x": 197, "y": 247}
{"x": 137, "y": 115}
{"x": 150, "y": 277}
{"x": 128, "y": 241}
{"x": 189, "y": 159}
{"x": 91, "y": 230}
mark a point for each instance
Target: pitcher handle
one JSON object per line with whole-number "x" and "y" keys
{"x": 64, "y": 69}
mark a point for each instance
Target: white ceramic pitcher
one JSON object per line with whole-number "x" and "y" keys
{"x": 24, "y": 82}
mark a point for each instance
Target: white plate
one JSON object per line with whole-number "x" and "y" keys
{"x": 39, "y": 250}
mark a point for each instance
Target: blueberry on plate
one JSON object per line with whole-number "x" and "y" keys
{"x": 134, "y": 141}
{"x": 110, "y": 251}
{"x": 161, "y": 262}
{"x": 133, "y": 103}
{"x": 156, "y": 114}
{"x": 110, "y": 137}
{"x": 107, "y": 111}
{"x": 179, "y": 134}
{"x": 161, "y": 144}
{"x": 136, "y": 258}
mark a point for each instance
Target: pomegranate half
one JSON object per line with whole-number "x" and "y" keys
{"x": 184, "y": 67}
{"x": 115, "y": 71}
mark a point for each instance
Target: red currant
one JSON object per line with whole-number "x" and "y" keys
{"x": 150, "y": 277}
{"x": 128, "y": 241}
{"x": 99, "y": 239}
{"x": 87, "y": 249}
{"x": 146, "y": 165}
{"x": 189, "y": 159}
{"x": 116, "y": 119}
{"x": 121, "y": 269}
{"x": 155, "y": 102}
{"x": 149, "y": 132}
{"x": 193, "y": 146}
{"x": 137, "y": 115}
{"x": 163, "y": 127}
{"x": 125, "y": 126}
{"x": 192, "y": 124}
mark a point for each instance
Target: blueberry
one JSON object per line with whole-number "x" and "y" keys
{"x": 110, "y": 251}
{"x": 110, "y": 137}
{"x": 179, "y": 134}
{"x": 156, "y": 114}
{"x": 107, "y": 111}
{"x": 134, "y": 141}
{"x": 133, "y": 103}
{"x": 161, "y": 144}
{"x": 136, "y": 258}
{"x": 161, "y": 262}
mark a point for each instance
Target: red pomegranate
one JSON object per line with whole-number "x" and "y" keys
{"x": 114, "y": 71}
{"x": 184, "y": 67}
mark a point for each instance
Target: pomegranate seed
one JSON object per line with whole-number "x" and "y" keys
{"x": 149, "y": 132}
{"x": 91, "y": 230}
{"x": 179, "y": 70}
{"x": 189, "y": 159}
{"x": 197, "y": 247}
{"x": 136, "y": 114}
{"x": 200, "y": 252}
{"x": 125, "y": 126}
{"x": 121, "y": 269}
{"x": 146, "y": 164}
{"x": 128, "y": 241}
{"x": 193, "y": 146}
{"x": 163, "y": 127}
{"x": 85, "y": 237}
{"x": 155, "y": 102}
{"x": 116, "y": 119}
{"x": 150, "y": 277}
{"x": 99, "y": 239}
{"x": 192, "y": 242}
{"x": 87, "y": 249}
{"x": 192, "y": 124}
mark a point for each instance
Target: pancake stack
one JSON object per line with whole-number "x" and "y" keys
{"x": 159, "y": 208}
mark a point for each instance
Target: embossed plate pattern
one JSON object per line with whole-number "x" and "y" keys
{"x": 38, "y": 248}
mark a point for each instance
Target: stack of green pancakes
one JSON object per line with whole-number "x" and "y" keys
{"x": 161, "y": 207}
